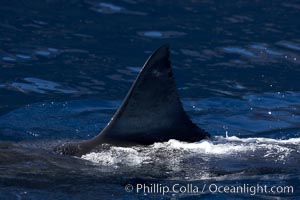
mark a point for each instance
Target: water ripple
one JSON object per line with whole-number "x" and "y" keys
{"x": 161, "y": 34}
{"x": 109, "y": 8}
{"x": 38, "y": 86}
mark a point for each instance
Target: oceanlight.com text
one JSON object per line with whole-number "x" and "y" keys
{"x": 157, "y": 188}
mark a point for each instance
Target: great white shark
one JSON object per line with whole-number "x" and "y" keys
{"x": 151, "y": 112}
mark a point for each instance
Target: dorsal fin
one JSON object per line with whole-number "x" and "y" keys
{"x": 151, "y": 111}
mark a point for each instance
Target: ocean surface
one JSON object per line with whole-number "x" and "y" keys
{"x": 66, "y": 65}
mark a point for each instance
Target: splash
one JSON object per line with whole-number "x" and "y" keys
{"x": 117, "y": 156}
{"x": 276, "y": 150}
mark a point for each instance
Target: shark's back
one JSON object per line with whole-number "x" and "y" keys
{"x": 151, "y": 112}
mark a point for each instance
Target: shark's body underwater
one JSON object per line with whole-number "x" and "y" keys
{"x": 151, "y": 112}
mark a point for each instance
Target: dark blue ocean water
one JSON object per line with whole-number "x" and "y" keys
{"x": 66, "y": 65}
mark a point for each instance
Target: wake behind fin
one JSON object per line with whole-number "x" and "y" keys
{"x": 151, "y": 111}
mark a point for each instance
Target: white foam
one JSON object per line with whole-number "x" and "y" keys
{"x": 259, "y": 140}
{"x": 175, "y": 151}
{"x": 117, "y": 156}
{"x": 204, "y": 146}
